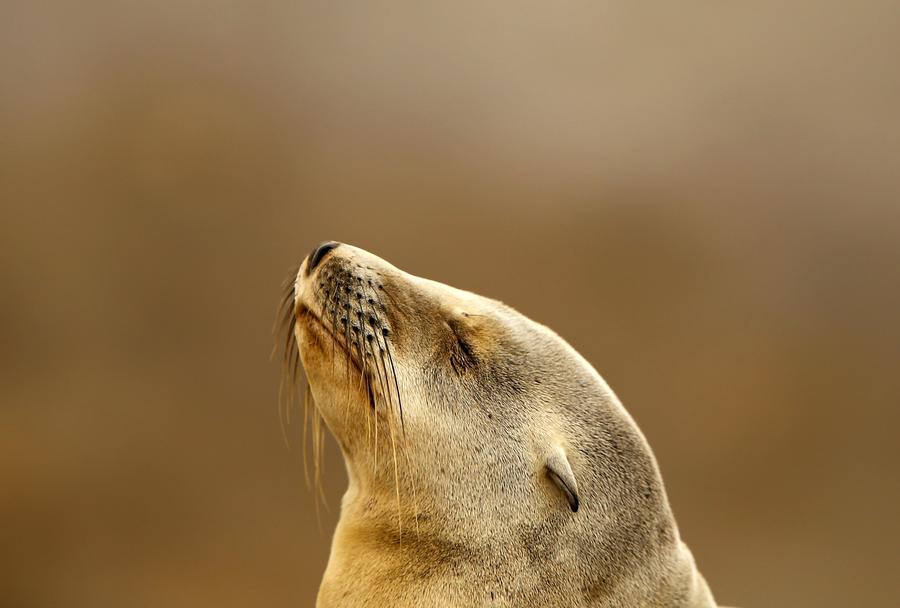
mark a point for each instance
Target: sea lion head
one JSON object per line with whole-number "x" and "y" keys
{"x": 471, "y": 432}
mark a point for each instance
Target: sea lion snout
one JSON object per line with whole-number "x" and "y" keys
{"x": 342, "y": 323}
{"x": 317, "y": 254}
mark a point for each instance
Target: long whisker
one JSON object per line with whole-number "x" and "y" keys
{"x": 306, "y": 415}
{"x": 390, "y": 418}
{"x": 347, "y": 352}
{"x": 316, "y": 480}
{"x": 318, "y": 453}
{"x": 294, "y": 370}
{"x": 281, "y": 312}
{"x": 285, "y": 321}
{"x": 360, "y": 343}
{"x": 375, "y": 450}
{"x": 387, "y": 399}
{"x": 381, "y": 381}
{"x": 405, "y": 447}
{"x": 363, "y": 383}
{"x": 387, "y": 349}
{"x": 385, "y": 336}
{"x": 388, "y": 406}
{"x": 412, "y": 477}
{"x": 387, "y": 394}
{"x": 375, "y": 322}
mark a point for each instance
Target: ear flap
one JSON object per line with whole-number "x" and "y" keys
{"x": 560, "y": 473}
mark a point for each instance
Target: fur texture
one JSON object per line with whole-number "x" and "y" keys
{"x": 489, "y": 463}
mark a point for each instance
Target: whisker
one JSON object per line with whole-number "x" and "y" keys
{"x": 285, "y": 320}
{"x": 347, "y": 355}
{"x": 359, "y": 389}
{"x": 316, "y": 480}
{"x": 396, "y": 480}
{"x": 412, "y": 478}
{"x": 375, "y": 451}
{"x": 387, "y": 349}
{"x": 318, "y": 460}
{"x": 294, "y": 374}
{"x": 306, "y": 415}
{"x": 387, "y": 395}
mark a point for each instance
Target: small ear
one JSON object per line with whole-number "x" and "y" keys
{"x": 560, "y": 473}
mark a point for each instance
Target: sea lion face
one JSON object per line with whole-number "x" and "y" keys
{"x": 466, "y": 384}
{"x": 487, "y": 460}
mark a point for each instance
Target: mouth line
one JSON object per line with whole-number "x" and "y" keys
{"x": 346, "y": 292}
{"x": 304, "y": 313}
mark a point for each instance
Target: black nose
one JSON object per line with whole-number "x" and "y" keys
{"x": 318, "y": 253}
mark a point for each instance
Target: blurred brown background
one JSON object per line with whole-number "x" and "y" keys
{"x": 702, "y": 197}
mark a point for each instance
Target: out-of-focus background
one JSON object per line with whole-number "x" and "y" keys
{"x": 702, "y": 197}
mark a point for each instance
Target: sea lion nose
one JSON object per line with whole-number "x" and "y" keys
{"x": 318, "y": 253}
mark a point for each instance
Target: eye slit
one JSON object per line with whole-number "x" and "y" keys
{"x": 462, "y": 355}
{"x": 465, "y": 348}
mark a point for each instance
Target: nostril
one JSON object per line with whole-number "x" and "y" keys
{"x": 318, "y": 253}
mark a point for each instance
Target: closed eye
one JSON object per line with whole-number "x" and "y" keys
{"x": 462, "y": 355}
{"x": 465, "y": 348}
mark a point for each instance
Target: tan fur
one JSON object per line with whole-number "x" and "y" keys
{"x": 487, "y": 431}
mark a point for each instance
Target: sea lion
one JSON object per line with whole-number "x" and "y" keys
{"x": 489, "y": 464}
